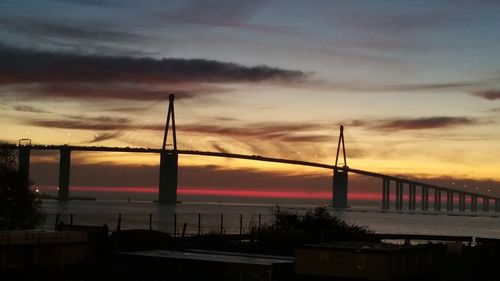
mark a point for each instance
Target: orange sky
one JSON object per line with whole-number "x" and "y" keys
{"x": 416, "y": 86}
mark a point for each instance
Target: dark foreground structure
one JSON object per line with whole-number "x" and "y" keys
{"x": 201, "y": 265}
{"x": 88, "y": 253}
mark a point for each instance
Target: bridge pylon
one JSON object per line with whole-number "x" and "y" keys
{"x": 24, "y": 161}
{"x": 169, "y": 161}
{"x": 340, "y": 176}
{"x": 64, "y": 173}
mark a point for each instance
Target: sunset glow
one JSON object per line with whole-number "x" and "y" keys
{"x": 231, "y": 193}
{"x": 415, "y": 83}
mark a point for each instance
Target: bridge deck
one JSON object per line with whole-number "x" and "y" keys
{"x": 242, "y": 156}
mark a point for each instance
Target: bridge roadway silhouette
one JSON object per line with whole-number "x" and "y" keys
{"x": 386, "y": 178}
{"x": 167, "y": 185}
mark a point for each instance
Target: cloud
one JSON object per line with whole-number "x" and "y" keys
{"x": 219, "y": 148}
{"x": 27, "y": 108}
{"x": 400, "y": 124}
{"x": 488, "y": 94}
{"x": 225, "y": 14}
{"x": 286, "y": 132}
{"x": 493, "y": 110}
{"x": 281, "y": 132}
{"x": 215, "y": 11}
{"x": 124, "y": 91}
{"x": 29, "y": 66}
{"x": 273, "y": 131}
{"x": 390, "y": 20}
{"x": 105, "y": 136}
{"x": 307, "y": 138}
{"x": 460, "y": 85}
{"x": 370, "y": 87}
{"x": 84, "y": 2}
{"x": 100, "y": 123}
{"x": 72, "y": 30}
{"x": 429, "y": 87}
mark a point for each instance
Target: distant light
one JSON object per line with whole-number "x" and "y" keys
{"x": 36, "y": 189}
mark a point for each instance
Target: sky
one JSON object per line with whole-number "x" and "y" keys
{"x": 415, "y": 83}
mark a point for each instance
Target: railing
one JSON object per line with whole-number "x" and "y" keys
{"x": 177, "y": 224}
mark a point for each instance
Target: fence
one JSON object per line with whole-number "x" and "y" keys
{"x": 177, "y": 224}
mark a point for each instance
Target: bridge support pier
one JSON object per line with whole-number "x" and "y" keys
{"x": 437, "y": 199}
{"x": 473, "y": 203}
{"x": 386, "y": 191}
{"x": 486, "y": 204}
{"x": 461, "y": 202}
{"x": 399, "y": 195}
{"x": 425, "y": 198}
{"x": 24, "y": 162}
{"x": 64, "y": 172}
{"x": 168, "y": 177}
{"x": 412, "y": 196}
{"x": 339, "y": 192}
{"x": 449, "y": 200}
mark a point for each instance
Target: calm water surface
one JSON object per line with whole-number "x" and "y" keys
{"x": 135, "y": 214}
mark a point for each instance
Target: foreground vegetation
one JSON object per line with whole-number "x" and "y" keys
{"x": 19, "y": 208}
{"x": 286, "y": 232}
{"x": 290, "y": 230}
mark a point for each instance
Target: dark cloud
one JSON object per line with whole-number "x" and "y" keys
{"x": 27, "y": 108}
{"x": 28, "y": 66}
{"x": 414, "y": 123}
{"x": 99, "y": 119}
{"x": 104, "y": 136}
{"x": 426, "y": 123}
{"x": 99, "y": 123}
{"x": 489, "y": 94}
{"x": 219, "y": 148}
{"x": 307, "y": 138}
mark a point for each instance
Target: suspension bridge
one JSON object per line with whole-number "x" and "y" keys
{"x": 169, "y": 169}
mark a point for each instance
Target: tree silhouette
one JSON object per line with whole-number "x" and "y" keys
{"x": 19, "y": 207}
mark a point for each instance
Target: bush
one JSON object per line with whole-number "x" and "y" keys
{"x": 19, "y": 208}
{"x": 290, "y": 230}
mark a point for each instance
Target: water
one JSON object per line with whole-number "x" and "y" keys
{"x": 135, "y": 214}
